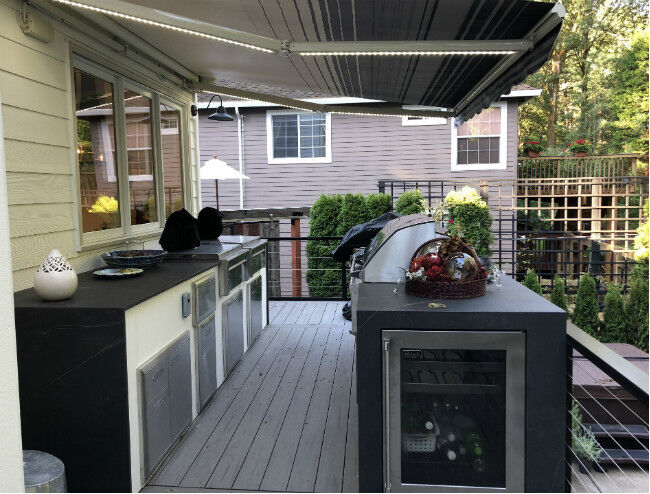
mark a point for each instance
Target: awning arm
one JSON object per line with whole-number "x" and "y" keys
{"x": 160, "y": 18}
{"x": 429, "y": 47}
{"x": 551, "y": 20}
{"x": 378, "y": 109}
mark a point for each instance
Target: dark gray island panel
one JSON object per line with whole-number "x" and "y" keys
{"x": 511, "y": 307}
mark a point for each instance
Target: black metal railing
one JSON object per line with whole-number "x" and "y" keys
{"x": 302, "y": 268}
{"x": 607, "y": 416}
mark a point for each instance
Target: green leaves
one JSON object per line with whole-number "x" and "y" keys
{"x": 353, "y": 212}
{"x": 531, "y": 282}
{"x": 410, "y": 202}
{"x": 558, "y": 294}
{"x": 615, "y": 324}
{"x": 378, "y": 204}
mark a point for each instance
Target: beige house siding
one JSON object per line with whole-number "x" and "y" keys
{"x": 364, "y": 149}
{"x": 37, "y": 109}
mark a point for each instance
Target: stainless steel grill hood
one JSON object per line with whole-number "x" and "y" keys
{"x": 387, "y": 257}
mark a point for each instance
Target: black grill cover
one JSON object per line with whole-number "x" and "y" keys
{"x": 181, "y": 232}
{"x": 360, "y": 236}
{"x": 210, "y": 223}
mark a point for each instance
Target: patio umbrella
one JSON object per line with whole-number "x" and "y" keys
{"x": 216, "y": 170}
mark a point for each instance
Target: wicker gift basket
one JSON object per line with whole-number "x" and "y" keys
{"x": 435, "y": 281}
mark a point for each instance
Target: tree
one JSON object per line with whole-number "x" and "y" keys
{"x": 615, "y": 323}
{"x": 353, "y": 212}
{"x": 637, "y": 313}
{"x": 558, "y": 294}
{"x": 585, "y": 313}
{"x": 378, "y": 204}
{"x": 531, "y": 282}
{"x": 323, "y": 273}
{"x": 410, "y": 202}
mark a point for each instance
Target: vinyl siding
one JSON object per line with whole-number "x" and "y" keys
{"x": 39, "y": 139}
{"x": 364, "y": 149}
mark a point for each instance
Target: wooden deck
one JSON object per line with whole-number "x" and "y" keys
{"x": 286, "y": 417}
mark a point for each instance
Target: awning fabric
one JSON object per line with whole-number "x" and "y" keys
{"x": 463, "y": 84}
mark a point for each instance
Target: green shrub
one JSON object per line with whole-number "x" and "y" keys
{"x": 353, "y": 212}
{"x": 378, "y": 204}
{"x": 410, "y": 202}
{"x": 558, "y": 294}
{"x": 323, "y": 273}
{"x": 583, "y": 442}
{"x": 585, "y": 314}
{"x": 637, "y": 313}
{"x": 470, "y": 217}
{"x": 615, "y": 325}
{"x": 531, "y": 282}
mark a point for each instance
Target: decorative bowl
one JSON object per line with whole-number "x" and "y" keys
{"x": 133, "y": 258}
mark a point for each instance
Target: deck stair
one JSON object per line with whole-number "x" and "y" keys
{"x": 622, "y": 444}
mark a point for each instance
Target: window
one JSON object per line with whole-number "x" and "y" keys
{"x": 298, "y": 137}
{"x": 139, "y": 153}
{"x": 480, "y": 143}
{"x": 172, "y": 160}
{"x": 130, "y": 155}
{"x": 98, "y": 185}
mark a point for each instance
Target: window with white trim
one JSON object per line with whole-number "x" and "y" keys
{"x": 125, "y": 171}
{"x": 480, "y": 143}
{"x": 298, "y": 137}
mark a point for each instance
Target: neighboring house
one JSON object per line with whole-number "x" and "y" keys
{"x": 292, "y": 156}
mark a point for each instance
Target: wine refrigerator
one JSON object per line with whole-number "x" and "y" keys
{"x": 454, "y": 410}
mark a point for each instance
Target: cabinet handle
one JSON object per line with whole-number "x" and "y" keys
{"x": 387, "y": 482}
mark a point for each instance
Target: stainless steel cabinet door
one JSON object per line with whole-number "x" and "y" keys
{"x": 233, "y": 331}
{"x": 454, "y": 404}
{"x": 180, "y": 387}
{"x": 207, "y": 360}
{"x": 256, "y": 310}
{"x": 157, "y": 433}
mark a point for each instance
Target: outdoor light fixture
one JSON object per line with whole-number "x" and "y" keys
{"x": 221, "y": 114}
{"x": 403, "y": 53}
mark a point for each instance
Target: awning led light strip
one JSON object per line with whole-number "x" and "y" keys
{"x": 163, "y": 25}
{"x": 403, "y": 53}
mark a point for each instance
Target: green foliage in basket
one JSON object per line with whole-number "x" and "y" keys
{"x": 410, "y": 202}
{"x": 323, "y": 273}
{"x": 378, "y": 204}
{"x": 585, "y": 314}
{"x": 558, "y": 294}
{"x": 531, "y": 282}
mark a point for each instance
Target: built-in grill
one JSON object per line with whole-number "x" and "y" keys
{"x": 388, "y": 255}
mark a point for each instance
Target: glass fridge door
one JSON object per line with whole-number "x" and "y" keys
{"x": 454, "y": 410}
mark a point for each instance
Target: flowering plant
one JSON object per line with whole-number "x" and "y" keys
{"x": 580, "y": 146}
{"x": 431, "y": 267}
{"x": 533, "y": 146}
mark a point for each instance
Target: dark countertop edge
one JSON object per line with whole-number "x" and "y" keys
{"x": 32, "y": 301}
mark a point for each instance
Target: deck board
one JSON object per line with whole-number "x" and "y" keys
{"x": 283, "y": 419}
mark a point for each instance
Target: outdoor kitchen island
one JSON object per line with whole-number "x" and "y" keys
{"x": 459, "y": 394}
{"x": 111, "y": 378}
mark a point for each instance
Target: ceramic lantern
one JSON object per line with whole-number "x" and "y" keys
{"x": 55, "y": 278}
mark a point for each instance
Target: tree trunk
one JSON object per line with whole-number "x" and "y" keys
{"x": 551, "y": 122}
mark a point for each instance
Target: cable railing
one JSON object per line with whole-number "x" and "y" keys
{"x": 607, "y": 416}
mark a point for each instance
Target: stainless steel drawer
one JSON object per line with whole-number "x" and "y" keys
{"x": 156, "y": 430}
{"x": 256, "y": 310}
{"x": 232, "y": 270}
{"x": 204, "y": 292}
{"x": 154, "y": 378}
{"x": 233, "y": 331}
{"x": 180, "y": 387}
{"x": 206, "y": 360}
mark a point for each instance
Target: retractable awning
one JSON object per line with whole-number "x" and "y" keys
{"x": 453, "y": 57}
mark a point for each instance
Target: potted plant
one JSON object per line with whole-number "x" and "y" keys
{"x": 580, "y": 147}
{"x": 532, "y": 149}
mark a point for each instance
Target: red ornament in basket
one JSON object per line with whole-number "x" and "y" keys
{"x": 446, "y": 268}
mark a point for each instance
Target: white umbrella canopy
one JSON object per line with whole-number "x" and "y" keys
{"x": 217, "y": 169}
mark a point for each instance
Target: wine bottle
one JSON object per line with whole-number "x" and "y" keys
{"x": 448, "y": 450}
{"x": 447, "y": 430}
{"x": 475, "y": 443}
